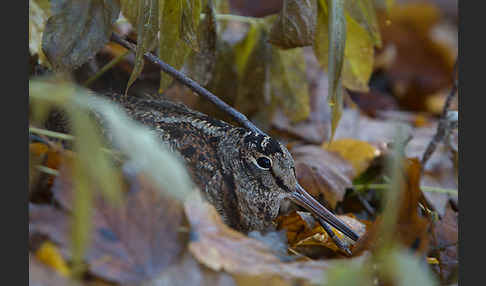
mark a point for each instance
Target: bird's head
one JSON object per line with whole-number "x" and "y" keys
{"x": 268, "y": 177}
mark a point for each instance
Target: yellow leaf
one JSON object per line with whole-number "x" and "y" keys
{"x": 358, "y": 51}
{"x": 364, "y": 12}
{"x": 358, "y": 153}
{"x": 245, "y": 48}
{"x": 432, "y": 260}
{"x": 302, "y": 230}
{"x": 147, "y": 28}
{"x": 49, "y": 254}
{"x": 289, "y": 84}
{"x": 173, "y": 49}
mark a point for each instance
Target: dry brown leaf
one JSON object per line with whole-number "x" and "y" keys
{"x": 77, "y": 30}
{"x": 439, "y": 170}
{"x": 131, "y": 242}
{"x": 422, "y": 64}
{"x": 189, "y": 272}
{"x": 322, "y": 173}
{"x": 223, "y": 249}
{"x": 360, "y": 127}
{"x": 296, "y": 24}
{"x": 411, "y": 228}
{"x": 445, "y": 247}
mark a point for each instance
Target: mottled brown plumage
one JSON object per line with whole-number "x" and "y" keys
{"x": 243, "y": 174}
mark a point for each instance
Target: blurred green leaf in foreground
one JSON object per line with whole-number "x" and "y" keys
{"x": 93, "y": 168}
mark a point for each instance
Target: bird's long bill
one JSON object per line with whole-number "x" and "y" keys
{"x": 302, "y": 198}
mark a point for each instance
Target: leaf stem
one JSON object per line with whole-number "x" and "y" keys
{"x": 238, "y": 18}
{"x": 387, "y": 186}
{"x": 51, "y": 134}
{"x": 47, "y": 170}
{"x": 105, "y": 68}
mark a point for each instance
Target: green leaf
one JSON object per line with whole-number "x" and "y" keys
{"x": 130, "y": 9}
{"x": 337, "y": 40}
{"x": 200, "y": 64}
{"x": 359, "y": 57}
{"x": 191, "y": 13}
{"x": 93, "y": 169}
{"x": 172, "y": 48}
{"x": 222, "y": 6}
{"x": 364, "y": 13}
{"x": 404, "y": 269}
{"x": 252, "y": 61}
{"x": 358, "y": 51}
{"x": 77, "y": 30}
{"x": 147, "y": 28}
{"x": 344, "y": 273}
{"x": 246, "y": 47}
{"x": 88, "y": 144}
{"x": 81, "y": 217}
{"x": 289, "y": 83}
{"x": 270, "y": 77}
{"x": 296, "y": 23}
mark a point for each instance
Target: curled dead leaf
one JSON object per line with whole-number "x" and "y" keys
{"x": 303, "y": 231}
{"x": 77, "y": 30}
{"x": 223, "y": 249}
{"x": 444, "y": 248}
{"x": 296, "y": 24}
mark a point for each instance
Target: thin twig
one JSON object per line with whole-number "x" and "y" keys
{"x": 444, "y": 127}
{"x": 182, "y": 78}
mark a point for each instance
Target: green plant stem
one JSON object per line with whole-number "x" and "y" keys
{"x": 47, "y": 170}
{"x": 387, "y": 186}
{"x": 105, "y": 68}
{"x": 229, "y": 17}
{"x": 63, "y": 136}
{"x": 51, "y": 134}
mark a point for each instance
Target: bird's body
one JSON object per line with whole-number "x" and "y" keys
{"x": 212, "y": 151}
{"x": 245, "y": 175}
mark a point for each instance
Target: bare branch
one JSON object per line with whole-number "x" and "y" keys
{"x": 446, "y": 125}
{"x": 182, "y": 78}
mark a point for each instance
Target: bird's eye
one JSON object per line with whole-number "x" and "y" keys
{"x": 264, "y": 163}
